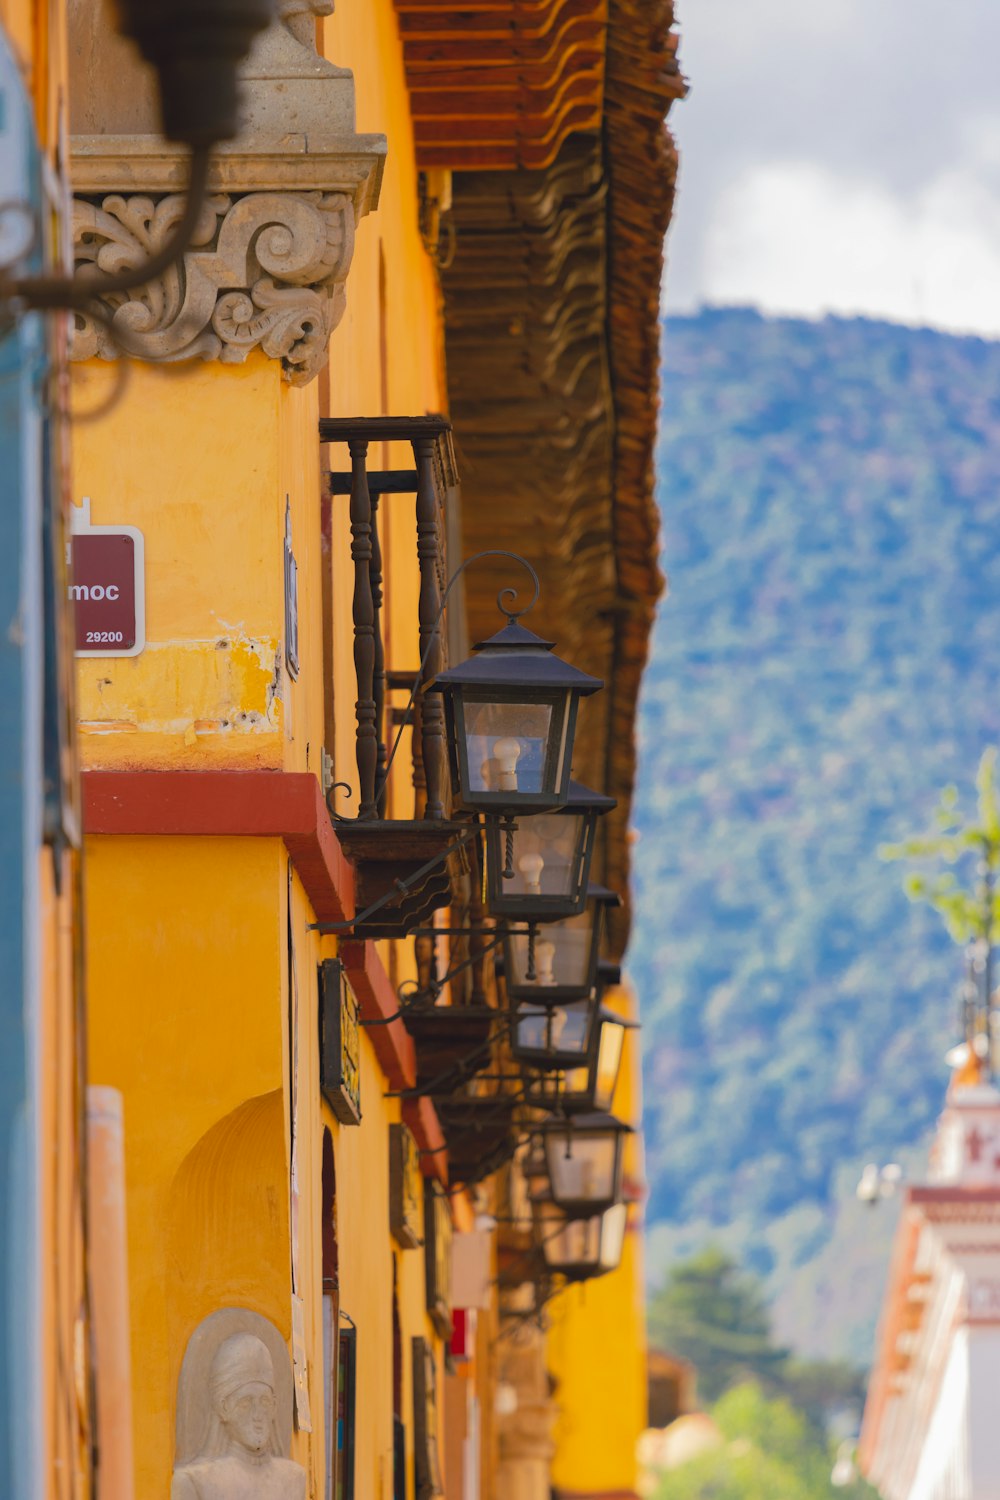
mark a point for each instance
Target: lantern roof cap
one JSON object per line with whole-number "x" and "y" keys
{"x": 514, "y": 637}
{"x": 607, "y": 1014}
{"x": 586, "y": 796}
{"x": 594, "y": 1120}
{"x": 516, "y": 657}
{"x": 602, "y": 894}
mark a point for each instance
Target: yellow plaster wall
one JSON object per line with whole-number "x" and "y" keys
{"x": 185, "y": 973}
{"x": 189, "y": 1019}
{"x": 36, "y": 29}
{"x": 387, "y": 357}
{"x": 192, "y": 458}
{"x": 597, "y": 1337}
{"x": 201, "y": 457}
{"x": 366, "y": 1260}
{"x": 188, "y": 938}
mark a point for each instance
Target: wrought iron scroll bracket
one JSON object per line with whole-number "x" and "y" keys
{"x": 400, "y": 888}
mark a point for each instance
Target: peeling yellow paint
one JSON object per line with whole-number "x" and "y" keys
{"x": 224, "y": 688}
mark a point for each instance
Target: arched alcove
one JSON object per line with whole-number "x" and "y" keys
{"x": 228, "y": 1217}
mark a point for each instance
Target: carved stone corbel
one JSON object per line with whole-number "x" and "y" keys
{"x": 268, "y": 272}
{"x": 270, "y": 258}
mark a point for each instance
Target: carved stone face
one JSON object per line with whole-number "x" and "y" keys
{"x": 247, "y": 1415}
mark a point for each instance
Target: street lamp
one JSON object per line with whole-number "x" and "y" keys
{"x": 553, "y": 1036}
{"x": 590, "y": 1083}
{"x": 559, "y": 963}
{"x": 580, "y": 1249}
{"x": 537, "y": 870}
{"x": 196, "y": 47}
{"x": 585, "y": 1158}
{"x": 511, "y": 712}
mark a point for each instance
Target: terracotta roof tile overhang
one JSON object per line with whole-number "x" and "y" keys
{"x": 501, "y": 83}
{"x": 552, "y": 340}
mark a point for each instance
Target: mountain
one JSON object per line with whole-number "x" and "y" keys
{"x": 826, "y": 660}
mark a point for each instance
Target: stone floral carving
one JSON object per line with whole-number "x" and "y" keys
{"x": 267, "y": 271}
{"x": 235, "y": 1388}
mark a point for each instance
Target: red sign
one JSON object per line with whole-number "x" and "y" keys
{"x": 104, "y": 590}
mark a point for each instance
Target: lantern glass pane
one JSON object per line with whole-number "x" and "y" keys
{"x": 546, "y": 855}
{"x": 609, "y": 1059}
{"x": 613, "y": 1226}
{"x": 582, "y": 1167}
{"x": 569, "y": 1243}
{"x": 507, "y": 745}
{"x": 576, "y": 1087}
{"x": 560, "y": 1028}
{"x": 562, "y": 954}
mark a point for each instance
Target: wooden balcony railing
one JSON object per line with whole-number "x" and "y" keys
{"x": 430, "y": 480}
{"x": 385, "y": 852}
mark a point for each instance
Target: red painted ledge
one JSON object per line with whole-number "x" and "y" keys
{"x": 421, "y": 1117}
{"x": 378, "y": 1001}
{"x": 262, "y": 804}
{"x": 273, "y": 804}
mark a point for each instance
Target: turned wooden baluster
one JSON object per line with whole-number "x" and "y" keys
{"x": 419, "y": 780}
{"x": 379, "y": 660}
{"x": 364, "y": 628}
{"x": 428, "y": 555}
{"x": 477, "y": 914}
{"x": 423, "y": 953}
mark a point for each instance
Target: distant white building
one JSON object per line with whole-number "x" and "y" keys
{"x": 932, "y": 1419}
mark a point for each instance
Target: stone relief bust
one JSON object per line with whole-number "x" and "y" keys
{"x": 234, "y": 1413}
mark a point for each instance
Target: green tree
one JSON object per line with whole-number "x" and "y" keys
{"x": 822, "y": 1388}
{"x": 769, "y": 1452}
{"x": 711, "y": 1313}
{"x": 971, "y": 910}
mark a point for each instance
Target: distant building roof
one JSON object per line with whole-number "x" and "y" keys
{"x": 929, "y": 1419}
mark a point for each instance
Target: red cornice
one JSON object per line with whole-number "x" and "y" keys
{"x": 954, "y": 1193}
{"x": 262, "y": 804}
{"x": 421, "y": 1117}
{"x": 378, "y": 1001}
{"x": 273, "y": 804}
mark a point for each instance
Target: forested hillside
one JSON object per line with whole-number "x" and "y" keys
{"x": 828, "y": 657}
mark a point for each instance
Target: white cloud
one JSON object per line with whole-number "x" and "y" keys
{"x": 799, "y": 239}
{"x": 840, "y": 154}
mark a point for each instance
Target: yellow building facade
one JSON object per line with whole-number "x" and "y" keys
{"x": 426, "y": 238}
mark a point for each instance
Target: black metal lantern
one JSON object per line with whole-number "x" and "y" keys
{"x": 558, "y": 962}
{"x": 608, "y": 973}
{"x": 511, "y": 712}
{"x": 554, "y": 1036}
{"x": 585, "y": 1158}
{"x": 580, "y": 1249}
{"x": 591, "y": 1084}
{"x": 196, "y": 46}
{"x": 538, "y": 868}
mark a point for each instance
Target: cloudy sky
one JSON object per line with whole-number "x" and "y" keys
{"x": 840, "y": 155}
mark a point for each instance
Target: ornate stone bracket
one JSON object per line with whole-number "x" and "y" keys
{"x": 271, "y": 255}
{"x": 268, "y": 272}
